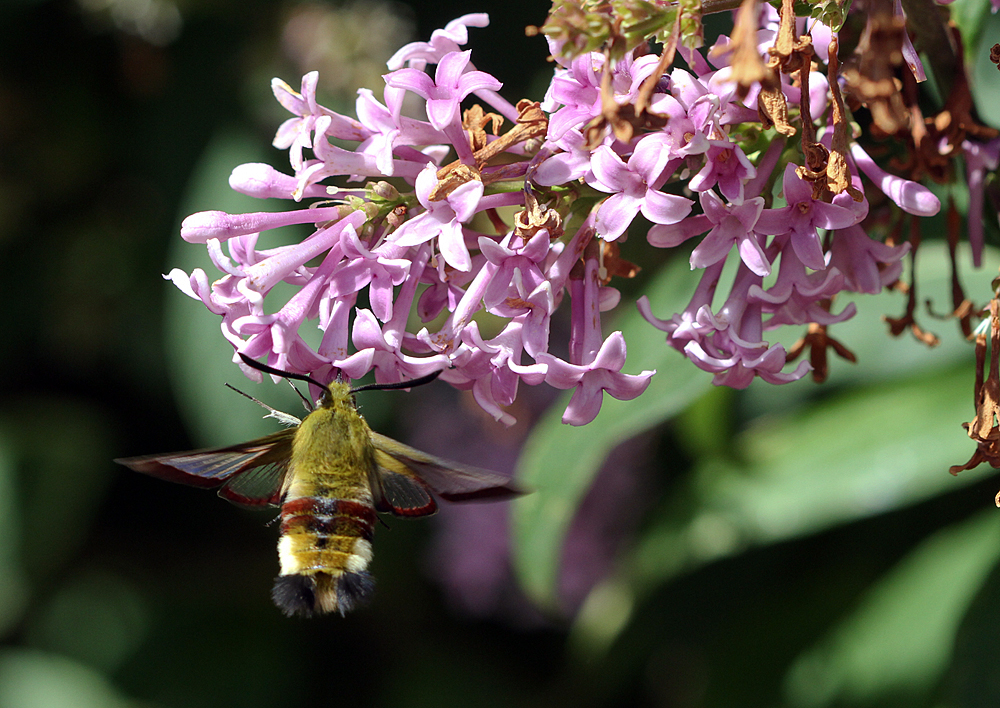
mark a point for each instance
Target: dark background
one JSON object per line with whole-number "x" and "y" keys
{"x": 802, "y": 546}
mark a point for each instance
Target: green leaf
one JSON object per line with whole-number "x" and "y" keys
{"x": 559, "y": 461}
{"x": 985, "y": 79}
{"x": 35, "y": 679}
{"x": 14, "y": 590}
{"x": 863, "y": 452}
{"x": 899, "y": 640}
{"x": 974, "y": 679}
{"x": 970, "y": 17}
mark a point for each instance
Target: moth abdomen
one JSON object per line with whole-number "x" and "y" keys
{"x": 325, "y": 548}
{"x": 330, "y": 473}
{"x": 306, "y": 595}
{"x": 321, "y": 517}
{"x": 295, "y": 594}
{"x": 354, "y": 589}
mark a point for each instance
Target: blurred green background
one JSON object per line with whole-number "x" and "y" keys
{"x": 798, "y": 546}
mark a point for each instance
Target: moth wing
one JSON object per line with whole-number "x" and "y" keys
{"x": 407, "y": 475}
{"x": 258, "y": 486}
{"x": 397, "y": 490}
{"x": 249, "y": 474}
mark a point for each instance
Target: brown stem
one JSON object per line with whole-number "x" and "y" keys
{"x": 666, "y": 59}
{"x": 710, "y": 6}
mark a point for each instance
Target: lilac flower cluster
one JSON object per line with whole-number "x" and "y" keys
{"x": 406, "y": 282}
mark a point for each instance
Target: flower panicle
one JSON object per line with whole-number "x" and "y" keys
{"x": 414, "y": 265}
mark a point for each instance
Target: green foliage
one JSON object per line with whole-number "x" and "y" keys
{"x": 900, "y": 638}
{"x": 801, "y": 461}
{"x": 34, "y": 679}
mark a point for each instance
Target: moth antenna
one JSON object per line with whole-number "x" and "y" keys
{"x": 254, "y": 364}
{"x": 398, "y": 385}
{"x": 305, "y": 401}
{"x": 286, "y": 419}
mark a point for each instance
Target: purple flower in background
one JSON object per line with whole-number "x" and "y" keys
{"x": 634, "y": 187}
{"x": 804, "y": 216}
{"x": 732, "y": 223}
{"x": 979, "y": 158}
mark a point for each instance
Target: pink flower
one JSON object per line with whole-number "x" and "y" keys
{"x": 445, "y": 92}
{"x": 443, "y": 41}
{"x": 729, "y": 343}
{"x": 867, "y": 265}
{"x": 592, "y": 379}
{"x": 727, "y": 166}
{"x": 909, "y": 196}
{"x": 804, "y": 216}
{"x": 634, "y": 187}
{"x": 980, "y": 158}
{"x": 733, "y": 223}
{"x": 442, "y": 219}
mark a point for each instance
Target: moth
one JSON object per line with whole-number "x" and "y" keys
{"x": 330, "y": 474}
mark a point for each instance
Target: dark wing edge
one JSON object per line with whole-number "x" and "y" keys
{"x": 449, "y": 480}
{"x": 250, "y": 474}
{"x": 397, "y": 490}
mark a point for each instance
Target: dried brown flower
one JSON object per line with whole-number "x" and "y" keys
{"x": 983, "y": 428}
{"x": 873, "y": 78}
{"x": 818, "y": 341}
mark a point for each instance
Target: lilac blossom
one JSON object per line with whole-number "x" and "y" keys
{"x": 443, "y": 41}
{"x": 450, "y": 85}
{"x": 686, "y": 131}
{"x": 574, "y": 96}
{"x": 725, "y": 166}
{"x": 728, "y": 343}
{"x": 591, "y": 379}
{"x": 804, "y": 217}
{"x": 910, "y": 196}
{"x": 726, "y": 225}
{"x": 867, "y": 265}
{"x": 514, "y": 264}
{"x": 797, "y": 295}
{"x": 979, "y": 158}
{"x": 634, "y": 187}
{"x": 461, "y": 264}
{"x": 442, "y": 219}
